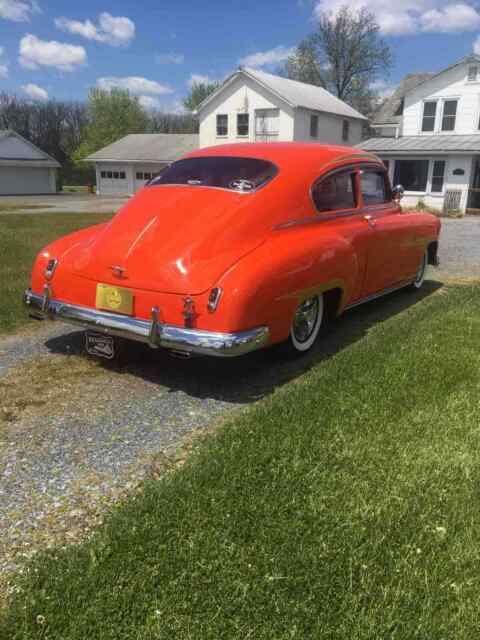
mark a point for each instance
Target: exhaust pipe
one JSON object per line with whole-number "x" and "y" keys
{"x": 182, "y": 355}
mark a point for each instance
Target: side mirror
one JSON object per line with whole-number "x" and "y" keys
{"x": 398, "y": 192}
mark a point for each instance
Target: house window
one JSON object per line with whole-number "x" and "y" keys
{"x": 314, "y": 126}
{"x": 147, "y": 176}
{"x": 335, "y": 193}
{"x": 345, "y": 130}
{"x": 242, "y": 124}
{"x": 438, "y": 174}
{"x": 449, "y": 115}
{"x": 115, "y": 175}
{"x": 122, "y": 175}
{"x": 267, "y": 124}
{"x": 222, "y": 124}
{"x": 374, "y": 188}
{"x": 139, "y": 175}
{"x": 429, "y": 113}
{"x": 411, "y": 174}
{"x": 103, "y": 174}
{"x": 109, "y": 174}
{"x": 472, "y": 73}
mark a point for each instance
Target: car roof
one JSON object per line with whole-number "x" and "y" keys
{"x": 290, "y": 155}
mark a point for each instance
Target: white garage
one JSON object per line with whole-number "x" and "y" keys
{"x": 24, "y": 168}
{"x": 127, "y": 165}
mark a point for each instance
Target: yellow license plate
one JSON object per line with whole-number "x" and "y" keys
{"x": 114, "y": 299}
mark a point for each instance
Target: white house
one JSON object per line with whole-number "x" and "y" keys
{"x": 430, "y": 137}
{"x": 122, "y": 168}
{"x": 255, "y": 106}
{"x": 24, "y": 168}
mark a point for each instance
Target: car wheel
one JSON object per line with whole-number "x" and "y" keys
{"x": 307, "y": 321}
{"x": 421, "y": 272}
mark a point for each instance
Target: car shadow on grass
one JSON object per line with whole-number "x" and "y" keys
{"x": 248, "y": 378}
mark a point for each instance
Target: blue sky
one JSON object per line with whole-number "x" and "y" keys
{"x": 155, "y": 48}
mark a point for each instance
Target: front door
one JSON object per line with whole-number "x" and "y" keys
{"x": 474, "y": 189}
{"x": 392, "y": 256}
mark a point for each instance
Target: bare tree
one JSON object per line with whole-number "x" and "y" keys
{"x": 345, "y": 55}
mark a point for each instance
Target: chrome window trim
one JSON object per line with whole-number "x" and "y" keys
{"x": 354, "y": 167}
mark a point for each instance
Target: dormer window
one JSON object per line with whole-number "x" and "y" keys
{"x": 472, "y": 73}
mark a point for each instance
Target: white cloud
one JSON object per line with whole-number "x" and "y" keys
{"x": 149, "y": 102}
{"x": 3, "y": 64}
{"x": 450, "y": 19}
{"x": 411, "y": 16}
{"x": 382, "y": 88}
{"x": 170, "y": 58}
{"x": 116, "y": 31}
{"x": 35, "y": 92}
{"x": 135, "y": 84}
{"x": 476, "y": 46}
{"x": 50, "y": 53}
{"x": 198, "y": 78}
{"x": 264, "y": 58}
{"x": 18, "y": 10}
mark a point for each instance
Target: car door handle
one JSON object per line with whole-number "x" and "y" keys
{"x": 370, "y": 220}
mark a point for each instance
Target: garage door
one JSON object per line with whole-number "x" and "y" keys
{"x": 113, "y": 181}
{"x": 24, "y": 180}
{"x": 143, "y": 174}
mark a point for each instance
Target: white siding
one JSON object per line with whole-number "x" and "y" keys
{"x": 242, "y": 96}
{"x": 329, "y": 128}
{"x": 451, "y": 84}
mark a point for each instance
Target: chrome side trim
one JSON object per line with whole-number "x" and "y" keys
{"x": 153, "y": 332}
{"x": 318, "y": 218}
{"x": 379, "y": 294}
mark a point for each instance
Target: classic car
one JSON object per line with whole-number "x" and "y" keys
{"x": 237, "y": 247}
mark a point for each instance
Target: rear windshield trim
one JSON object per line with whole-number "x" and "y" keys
{"x": 274, "y": 174}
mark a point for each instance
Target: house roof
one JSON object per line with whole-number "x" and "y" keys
{"x": 422, "y": 145}
{"x": 294, "y": 93}
{"x": 37, "y": 158}
{"x": 390, "y": 111}
{"x": 147, "y": 147}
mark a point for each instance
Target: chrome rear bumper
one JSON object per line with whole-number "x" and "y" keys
{"x": 152, "y": 332}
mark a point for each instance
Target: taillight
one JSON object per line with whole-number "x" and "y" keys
{"x": 50, "y": 268}
{"x": 214, "y": 299}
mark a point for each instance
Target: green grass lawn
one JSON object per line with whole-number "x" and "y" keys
{"x": 21, "y": 237}
{"x": 345, "y": 506}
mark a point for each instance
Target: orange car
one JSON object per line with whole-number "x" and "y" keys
{"x": 237, "y": 247}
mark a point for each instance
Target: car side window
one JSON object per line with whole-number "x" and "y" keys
{"x": 335, "y": 192}
{"x": 374, "y": 187}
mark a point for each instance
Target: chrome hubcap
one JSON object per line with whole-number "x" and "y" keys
{"x": 305, "y": 319}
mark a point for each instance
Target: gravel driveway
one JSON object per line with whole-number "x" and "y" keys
{"x": 76, "y": 434}
{"x": 460, "y": 247}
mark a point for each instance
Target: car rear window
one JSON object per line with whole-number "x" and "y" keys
{"x": 224, "y": 172}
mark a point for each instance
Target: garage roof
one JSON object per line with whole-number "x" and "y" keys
{"x": 17, "y": 151}
{"x": 147, "y": 147}
{"x": 422, "y": 145}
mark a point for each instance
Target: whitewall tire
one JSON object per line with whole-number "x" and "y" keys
{"x": 306, "y": 324}
{"x": 421, "y": 272}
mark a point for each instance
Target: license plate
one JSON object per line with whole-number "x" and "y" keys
{"x": 100, "y": 346}
{"x": 114, "y": 299}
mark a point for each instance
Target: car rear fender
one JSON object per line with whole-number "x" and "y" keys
{"x": 266, "y": 286}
